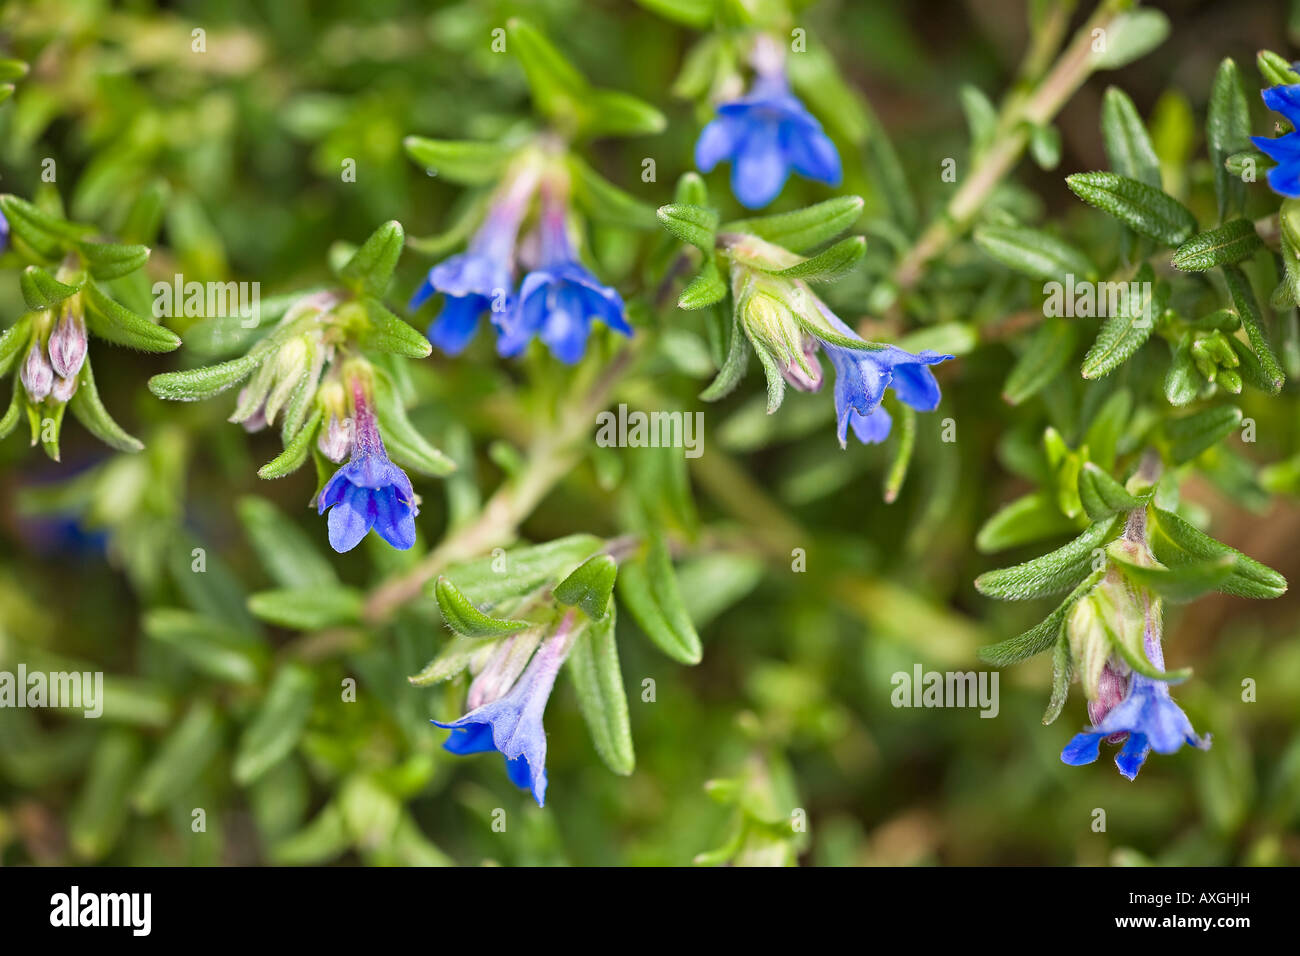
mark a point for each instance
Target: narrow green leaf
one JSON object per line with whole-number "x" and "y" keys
{"x": 295, "y": 453}
{"x": 1033, "y": 252}
{"x": 1046, "y": 354}
{"x": 115, "y": 323}
{"x": 490, "y": 580}
{"x": 88, "y": 408}
{"x": 459, "y": 161}
{"x": 733, "y": 368}
{"x": 829, "y": 264}
{"x": 706, "y": 289}
{"x": 1103, "y": 496}
{"x": 459, "y": 614}
{"x": 803, "y": 229}
{"x": 1128, "y": 145}
{"x": 41, "y": 290}
{"x": 1051, "y": 573}
{"x": 604, "y": 202}
{"x": 648, "y": 588}
{"x": 14, "y": 342}
{"x": 1032, "y": 517}
{"x": 1185, "y": 582}
{"x": 184, "y": 754}
{"x": 1123, "y": 334}
{"x": 289, "y": 556}
{"x": 1041, "y": 636}
{"x": 1144, "y": 208}
{"x": 593, "y": 665}
{"x": 1061, "y": 674}
{"x": 214, "y": 649}
{"x": 278, "y": 725}
{"x": 1190, "y": 435}
{"x": 694, "y": 225}
{"x": 111, "y": 260}
{"x": 371, "y": 268}
{"x": 388, "y": 333}
{"x": 1227, "y": 131}
{"x": 1230, "y": 243}
{"x": 1176, "y": 543}
{"x": 101, "y": 811}
{"x": 310, "y": 608}
{"x": 1243, "y": 301}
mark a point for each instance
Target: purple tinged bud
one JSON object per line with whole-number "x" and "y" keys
{"x": 36, "y": 374}
{"x": 1112, "y": 685}
{"x": 67, "y": 346}
{"x": 64, "y": 389}
{"x": 335, "y": 439}
{"x": 502, "y": 670}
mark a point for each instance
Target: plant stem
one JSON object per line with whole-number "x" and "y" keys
{"x": 1019, "y": 114}
{"x": 553, "y": 453}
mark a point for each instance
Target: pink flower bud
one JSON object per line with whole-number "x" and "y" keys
{"x": 36, "y": 375}
{"x": 68, "y": 346}
{"x": 64, "y": 389}
{"x": 335, "y": 439}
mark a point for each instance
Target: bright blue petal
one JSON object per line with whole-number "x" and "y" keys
{"x": 915, "y": 385}
{"x": 759, "y": 169}
{"x": 472, "y": 738}
{"x": 457, "y": 323}
{"x": 1285, "y": 180}
{"x": 393, "y": 519}
{"x": 351, "y": 519}
{"x": 1284, "y": 100}
{"x": 812, "y": 154}
{"x": 870, "y": 429}
{"x": 1082, "y": 749}
{"x": 1281, "y": 149}
{"x": 1130, "y": 759}
{"x": 717, "y": 142}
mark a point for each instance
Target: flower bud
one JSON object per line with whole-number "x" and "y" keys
{"x": 67, "y": 345}
{"x": 291, "y": 364}
{"x": 37, "y": 376}
{"x": 1110, "y": 616}
{"x": 335, "y": 439}
{"x": 64, "y": 389}
{"x": 1112, "y": 685}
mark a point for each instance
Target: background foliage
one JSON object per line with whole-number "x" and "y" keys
{"x": 790, "y": 704}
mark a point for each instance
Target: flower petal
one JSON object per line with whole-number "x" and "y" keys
{"x": 759, "y": 168}
{"x": 1082, "y": 749}
{"x": 350, "y": 519}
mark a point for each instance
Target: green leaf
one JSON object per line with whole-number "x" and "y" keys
{"x": 1128, "y": 145}
{"x": 1276, "y": 70}
{"x": 614, "y": 113}
{"x": 694, "y": 225}
{"x": 1131, "y": 36}
{"x": 1045, "y": 145}
{"x": 1062, "y": 668}
{"x": 696, "y": 14}
{"x": 1185, "y": 582}
{"x": 370, "y": 269}
{"x": 88, "y": 408}
{"x": 1243, "y": 301}
{"x": 829, "y": 264}
{"x": 648, "y": 588}
{"x": 1145, "y": 209}
{"x": 111, "y": 260}
{"x": 388, "y": 333}
{"x": 593, "y": 665}
{"x": 519, "y": 571}
{"x": 1176, "y": 543}
{"x": 41, "y": 290}
{"x": 1033, "y": 252}
{"x": 733, "y": 368}
{"x": 605, "y": 202}
{"x": 706, "y": 289}
{"x": 803, "y": 229}
{"x": 1227, "y": 131}
{"x": 180, "y": 760}
{"x": 589, "y": 586}
{"x": 1124, "y": 333}
{"x": 1232, "y": 242}
{"x": 981, "y": 117}
{"x": 308, "y": 609}
{"x": 1183, "y": 382}
{"x": 459, "y": 614}
{"x": 279, "y": 724}
{"x": 295, "y": 453}
{"x": 192, "y": 385}
{"x": 1103, "y": 496}
{"x": 14, "y": 342}
{"x": 289, "y": 556}
{"x": 1051, "y": 573}
{"x": 117, "y": 324}
{"x": 559, "y": 90}
{"x": 405, "y": 444}
{"x": 47, "y": 235}
{"x": 460, "y": 161}
{"x": 214, "y": 649}
{"x": 1042, "y": 361}
{"x": 101, "y": 811}
{"x": 451, "y": 660}
{"x": 1190, "y": 435}
{"x": 1030, "y": 518}
{"x": 1042, "y": 635}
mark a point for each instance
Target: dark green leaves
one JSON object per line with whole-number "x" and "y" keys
{"x": 1041, "y": 636}
{"x": 1124, "y": 333}
{"x": 1188, "y": 436}
{"x": 278, "y": 725}
{"x": 1128, "y": 145}
{"x": 1141, "y": 207}
{"x": 110, "y": 260}
{"x": 115, "y": 323}
{"x": 464, "y": 618}
{"x": 1230, "y": 243}
{"x": 694, "y": 225}
{"x": 1045, "y": 355}
{"x": 1102, "y": 495}
{"x": 1052, "y": 573}
{"x": 1176, "y": 544}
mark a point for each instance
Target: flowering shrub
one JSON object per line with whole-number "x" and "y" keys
{"x": 492, "y": 287}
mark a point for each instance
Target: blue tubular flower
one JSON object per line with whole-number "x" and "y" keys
{"x": 512, "y": 724}
{"x": 1284, "y": 178}
{"x": 558, "y": 301}
{"x": 1150, "y": 718}
{"x": 369, "y": 491}
{"x": 472, "y": 281}
{"x": 862, "y": 375}
{"x": 765, "y": 135}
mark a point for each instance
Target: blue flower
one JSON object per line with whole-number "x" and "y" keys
{"x": 4, "y": 232}
{"x": 512, "y": 724}
{"x": 369, "y": 491}
{"x": 558, "y": 301}
{"x": 862, "y": 375}
{"x": 482, "y": 276}
{"x": 1284, "y": 178}
{"x": 765, "y": 135}
{"x": 1150, "y": 718}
